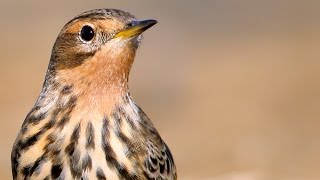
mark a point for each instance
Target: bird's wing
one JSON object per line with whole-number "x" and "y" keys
{"x": 159, "y": 162}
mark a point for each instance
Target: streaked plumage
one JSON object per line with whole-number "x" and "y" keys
{"x": 85, "y": 124}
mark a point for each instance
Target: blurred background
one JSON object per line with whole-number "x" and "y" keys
{"x": 232, "y": 86}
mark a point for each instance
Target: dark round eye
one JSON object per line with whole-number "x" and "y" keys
{"x": 87, "y": 33}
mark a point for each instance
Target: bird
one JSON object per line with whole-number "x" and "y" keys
{"x": 85, "y": 124}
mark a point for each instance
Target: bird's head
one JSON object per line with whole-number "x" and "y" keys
{"x": 97, "y": 48}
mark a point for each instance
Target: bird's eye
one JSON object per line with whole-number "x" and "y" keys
{"x": 87, "y": 33}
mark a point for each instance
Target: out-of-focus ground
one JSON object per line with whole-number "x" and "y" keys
{"x": 232, "y": 86}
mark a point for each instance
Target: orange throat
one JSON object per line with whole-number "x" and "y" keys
{"x": 101, "y": 81}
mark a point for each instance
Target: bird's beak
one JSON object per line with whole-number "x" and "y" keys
{"x": 137, "y": 28}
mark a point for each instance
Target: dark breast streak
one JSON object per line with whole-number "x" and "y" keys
{"x": 78, "y": 162}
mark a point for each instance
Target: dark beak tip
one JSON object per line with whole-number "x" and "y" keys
{"x": 149, "y": 22}
{"x": 153, "y": 21}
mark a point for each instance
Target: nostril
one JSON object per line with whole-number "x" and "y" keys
{"x": 131, "y": 24}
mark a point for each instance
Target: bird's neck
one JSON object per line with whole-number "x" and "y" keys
{"x": 65, "y": 101}
{"x": 100, "y": 82}
{"x": 97, "y": 96}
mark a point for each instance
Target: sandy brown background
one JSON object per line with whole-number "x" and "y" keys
{"x": 232, "y": 86}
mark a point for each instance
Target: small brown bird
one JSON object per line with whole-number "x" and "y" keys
{"x": 85, "y": 125}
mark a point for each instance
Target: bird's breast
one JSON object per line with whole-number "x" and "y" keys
{"x": 74, "y": 141}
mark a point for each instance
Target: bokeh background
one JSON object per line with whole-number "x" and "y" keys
{"x": 232, "y": 86}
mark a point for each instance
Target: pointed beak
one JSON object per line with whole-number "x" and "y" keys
{"x": 137, "y": 28}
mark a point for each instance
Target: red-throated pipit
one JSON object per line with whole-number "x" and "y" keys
{"x": 85, "y": 124}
